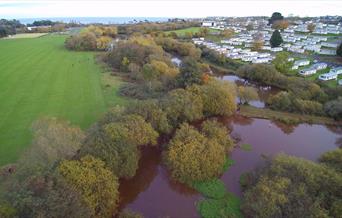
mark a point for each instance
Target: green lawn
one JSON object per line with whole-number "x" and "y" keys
{"x": 39, "y": 77}
{"x": 181, "y": 32}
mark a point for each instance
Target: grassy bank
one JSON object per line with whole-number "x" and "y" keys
{"x": 289, "y": 118}
{"x": 39, "y": 77}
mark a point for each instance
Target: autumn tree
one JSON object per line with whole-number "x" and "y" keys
{"x": 151, "y": 111}
{"x": 190, "y": 156}
{"x": 333, "y": 159}
{"x": 214, "y": 130}
{"x": 311, "y": 27}
{"x": 257, "y": 44}
{"x": 103, "y": 42}
{"x": 227, "y": 33}
{"x": 181, "y": 105}
{"x": 280, "y": 24}
{"x": 276, "y": 39}
{"x": 247, "y": 94}
{"x": 250, "y": 27}
{"x": 218, "y": 97}
{"x": 96, "y": 184}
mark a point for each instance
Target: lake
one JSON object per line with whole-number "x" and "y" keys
{"x": 152, "y": 192}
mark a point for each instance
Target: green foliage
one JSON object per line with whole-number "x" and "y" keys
{"x": 6, "y": 210}
{"x": 276, "y": 39}
{"x": 229, "y": 207}
{"x": 97, "y": 185}
{"x": 131, "y": 129}
{"x": 334, "y": 108}
{"x": 281, "y": 62}
{"x": 228, "y": 163}
{"x": 34, "y": 189}
{"x": 275, "y": 16}
{"x": 218, "y": 97}
{"x": 293, "y": 187}
{"x": 247, "y": 94}
{"x": 190, "y": 73}
{"x": 182, "y": 105}
{"x": 213, "y": 188}
{"x": 214, "y": 130}
{"x": 152, "y": 113}
{"x": 190, "y": 156}
{"x": 246, "y": 147}
{"x": 333, "y": 159}
{"x": 339, "y": 50}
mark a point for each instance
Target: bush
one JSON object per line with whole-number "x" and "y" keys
{"x": 190, "y": 156}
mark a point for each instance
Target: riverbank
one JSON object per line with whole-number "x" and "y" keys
{"x": 288, "y": 118}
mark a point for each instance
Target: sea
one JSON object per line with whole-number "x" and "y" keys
{"x": 103, "y": 20}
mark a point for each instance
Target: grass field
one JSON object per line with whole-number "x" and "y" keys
{"x": 181, "y": 32}
{"x": 26, "y": 35}
{"x": 39, "y": 77}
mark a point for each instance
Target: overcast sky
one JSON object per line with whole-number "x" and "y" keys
{"x": 166, "y": 8}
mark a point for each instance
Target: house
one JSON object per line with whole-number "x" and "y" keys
{"x": 328, "y": 76}
{"x": 340, "y": 82}
{"x": 302, "y": 62}
{"x": 330, "y": 44}
{"x": 290, "y": 59}
{"x": 209, "y": 23}
{"x": 294, "y": 67}
{"x": 308, "y": 71}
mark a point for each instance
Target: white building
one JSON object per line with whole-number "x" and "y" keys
{"x": 303, "y": 62}
{"x": 328, "y": 76}
{"x": 209, "y": 23}
{"x": 308, "y": 71}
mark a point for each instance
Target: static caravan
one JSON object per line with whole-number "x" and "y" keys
{"x": 302, "y": 62}
{"x": 328, "y": 76}
{"x": 320, "y": 66}
{"x": 308, "y": 71}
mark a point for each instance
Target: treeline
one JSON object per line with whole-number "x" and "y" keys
{"x": 146, "y": 63}
{"x": 293, "y": 187}
{"x": 301, "y": 96}
{"x": 148, "y": 28}
{"x": 43, "y": 23}
{"x": 9, "y": 27}
{"x": 92, "y": 38}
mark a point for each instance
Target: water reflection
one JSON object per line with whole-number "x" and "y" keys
{"x": 154, "y": 194}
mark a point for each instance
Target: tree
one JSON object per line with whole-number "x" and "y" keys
{"x": 257, "y": 45}
{"x": 333, "y": 159}
{"x": 182, "y": 106}
{"x": 103, "y": 42}
{"x": 132, "y": 129}
{"x": 276, "y": 39}
{"x": 96, "y": 184}
{"x": 339, "y": 50}
{"x": 214, "y": 130}
{"x": 151, "y": 111}
{"x": 250, "y": 27}
{"x": 334, "y": 108}
{"x": 281, "y": 62}
{"x": 190, "y": 73}
{"x": 190, "y": 156}
{"x": 292, "y": 187}
{"x": 227, "y": 33}
{"x": 218, "y": 97}
{"x": 247, "y": 94}
{"x": 275, "y": 16}
{"x": 280, "y": 24}
{"x": 311, "y": 27}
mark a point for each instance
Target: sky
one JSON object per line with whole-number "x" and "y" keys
{"x": 166, "y": 8}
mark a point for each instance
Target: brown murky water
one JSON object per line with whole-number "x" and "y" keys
{"x": 152, "y": 192}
